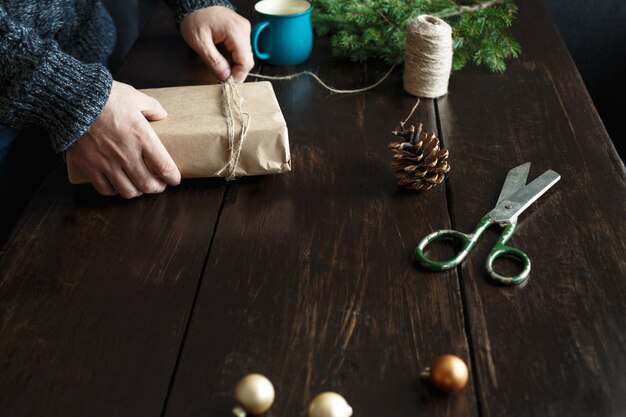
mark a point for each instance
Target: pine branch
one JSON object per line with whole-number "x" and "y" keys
{"x": 468, "y": 9}
{"x": 393, "y": 25}
{"x": 376, "y": 29}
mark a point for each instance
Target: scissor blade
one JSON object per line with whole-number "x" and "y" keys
{"x": 515, "y": 181}
{"x": 508, "y": 210}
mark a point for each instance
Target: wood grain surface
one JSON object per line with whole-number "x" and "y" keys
{"x": 96, "y": 292}
{"x": 311, "y": 280}
{"x": 157, "y": 306}
{"x": 557, "y": 346}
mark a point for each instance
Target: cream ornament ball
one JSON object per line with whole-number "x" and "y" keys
{"x": 329, "y": 404}
{"x": 254, "y": 393}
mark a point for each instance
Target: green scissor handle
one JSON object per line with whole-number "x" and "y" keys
{"x": 501, "y": 249}
{"x": 467, "y": 243}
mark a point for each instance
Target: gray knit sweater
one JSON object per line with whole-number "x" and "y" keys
{"x": 51, "y": 52}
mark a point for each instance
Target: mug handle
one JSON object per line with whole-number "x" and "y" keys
{"x": 256, "y": 31}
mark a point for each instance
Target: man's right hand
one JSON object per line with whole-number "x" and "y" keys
{"x": 121, "y": 153}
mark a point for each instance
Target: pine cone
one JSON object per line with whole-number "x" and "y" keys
{"x": 418, "y": 162}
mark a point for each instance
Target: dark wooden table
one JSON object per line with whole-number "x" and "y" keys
{"x": 157, "y": 306}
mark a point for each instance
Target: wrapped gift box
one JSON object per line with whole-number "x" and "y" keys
{"x": 195, "y": 132}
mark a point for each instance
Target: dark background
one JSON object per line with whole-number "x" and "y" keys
{"x": 595, "y": 34}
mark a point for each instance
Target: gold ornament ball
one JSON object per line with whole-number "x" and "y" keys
{"x": 254, "y": 393}
{"x": 449, "y": 373}
{"x": 329, "y": 404}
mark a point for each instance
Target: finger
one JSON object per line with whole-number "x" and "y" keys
{"x": 102, "y": 184}
{"x": 158, "y": 159}
{"x": 243, "y": 64}
{"x": 150, "y": 107}
{"x": 91, "y": 167}
{"x": 215, "y": 60}
{"x": 144, "y": 180}
{"x": 243, "y": 60}
{"x": 240, "y": 73}
{"x": 121, "y": 183}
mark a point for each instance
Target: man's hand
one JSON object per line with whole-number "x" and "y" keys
{"x": 121, "y": 153}
{"x": 205, "y": 28}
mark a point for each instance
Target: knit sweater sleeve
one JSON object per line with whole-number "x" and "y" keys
{"x": 182, "y": 8}
{"x": 40, "y": 85}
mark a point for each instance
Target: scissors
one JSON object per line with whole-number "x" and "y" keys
{"x": 515, "y": 197}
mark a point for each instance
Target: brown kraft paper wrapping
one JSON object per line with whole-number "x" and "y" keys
{"x": 195, "y": 132}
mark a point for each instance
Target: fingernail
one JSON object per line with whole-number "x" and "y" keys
{"x": 238, "y": 76}
{"x": 224, "y": 75}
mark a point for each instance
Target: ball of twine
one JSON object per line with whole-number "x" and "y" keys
{"x": 427, "y": 57}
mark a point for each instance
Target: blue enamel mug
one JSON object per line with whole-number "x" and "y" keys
{"x": 283, "y": 35}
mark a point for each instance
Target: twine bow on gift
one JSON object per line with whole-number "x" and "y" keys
{"x": 233, "y": 110}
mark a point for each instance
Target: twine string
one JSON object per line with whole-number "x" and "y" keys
{"x": 233, "y": 108}
{"x": 417, "y": 103}
{"x": 427, "y": 57}
{"x": 428, "y": 62}
{"x": 333, "y": 89}
{"x": 322, "y": 83}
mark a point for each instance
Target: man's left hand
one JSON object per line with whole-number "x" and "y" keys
{"x": 208, "y": 27}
